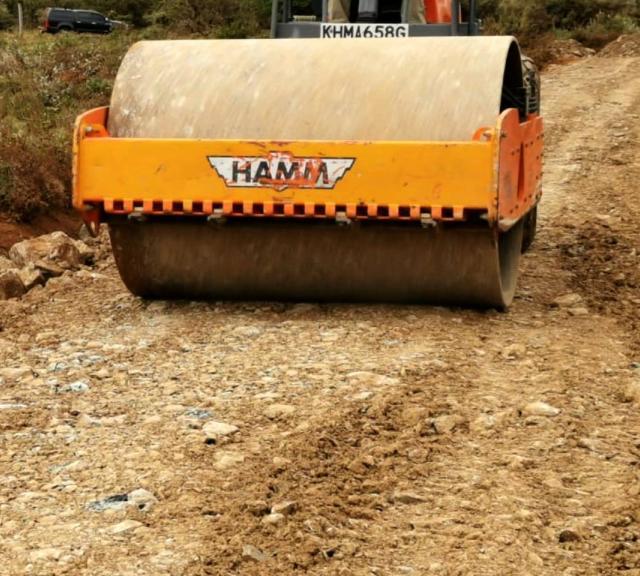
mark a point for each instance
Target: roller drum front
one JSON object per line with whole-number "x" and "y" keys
{"x": 418, "y": 89}
{"x": 301, "y": 261}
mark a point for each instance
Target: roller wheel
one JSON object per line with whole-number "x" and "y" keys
{"x": 310, "y": 261}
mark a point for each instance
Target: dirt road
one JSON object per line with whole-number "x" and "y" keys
{"x": 371, "y": 440}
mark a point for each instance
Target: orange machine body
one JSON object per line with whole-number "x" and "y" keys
{"x": 438, "y": 11}
{"x": 496, "y": 175}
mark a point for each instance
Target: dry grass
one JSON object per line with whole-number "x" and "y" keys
{"x": 45, "y": 81}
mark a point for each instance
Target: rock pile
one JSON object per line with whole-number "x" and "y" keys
{"x": 33, "y": 262}
{"x": 569, "y": 49}
{"x": 626, "y": 45}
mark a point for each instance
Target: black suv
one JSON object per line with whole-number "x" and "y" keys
{"x": 64, "y": 20}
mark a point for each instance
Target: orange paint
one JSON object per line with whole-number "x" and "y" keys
{"x": 497, "y": 173}
{"x": 438, "y": 11}
{"x": 520, "y": 161}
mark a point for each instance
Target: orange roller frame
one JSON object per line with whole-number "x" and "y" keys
{"x": 438, "y": 11}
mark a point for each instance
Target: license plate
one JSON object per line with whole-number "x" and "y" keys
{"x": 364, "y": 31}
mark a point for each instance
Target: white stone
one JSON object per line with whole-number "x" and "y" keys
{"x": 11, "y": 374}
{"x": 567, "y": 300}
{"x": 142, "y": 499}
{"x": 281, "y": 463}
{"x": 86, "y": 421}
{"x": 540, "y": 409}
{"x": 78, "y": 386}
{"x": 45, "y": 554}
{"x": 447, "y": 423}
{"x": 56, "y": 247}
{"x": 247, "y": 331}
{"x": 252, "y": 553}
{"x": 483, "y": 422}
{"x": 273, "y": 519}
{"x": 578, "y": 311}
{"x": 632, "y": 392}
{"x": 9, "y": 406}
{"x": 407, "y": 498}
{"x": 155, "y": 419}
{"x": 225, "y": 460}
{"x": 371, "y": 378}
{"x": 217, "y": 430}
{"x": 590, "y": 444}
{"x": 286, "y": 508}
{"x": 30, "y": 277}
{"x": 361, "y": 396}
{"x": 275, "y": 411}
{"x": 125, "y": 526}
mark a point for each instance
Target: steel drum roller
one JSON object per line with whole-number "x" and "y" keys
{"x": 418, "y": 89}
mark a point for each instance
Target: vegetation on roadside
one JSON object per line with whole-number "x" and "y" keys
{"x": 45, "y": 81}
{"x": 538, "y": 23}
{"x": 590, "y": 21}
{"x": 203, "y": 17}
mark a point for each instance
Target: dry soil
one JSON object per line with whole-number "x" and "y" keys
{"x": 371, "y": 440}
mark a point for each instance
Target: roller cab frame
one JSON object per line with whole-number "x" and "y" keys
{"x": 369, "y": 20}
{"x": 493, "y": 177}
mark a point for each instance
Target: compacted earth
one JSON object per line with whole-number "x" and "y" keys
{"x": 188, "y": 438}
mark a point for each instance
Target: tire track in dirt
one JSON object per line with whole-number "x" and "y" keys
{"x": 600, "y": 241}
{"x": 553, "y": 500}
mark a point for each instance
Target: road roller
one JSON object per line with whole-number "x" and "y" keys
{"x": 377, "y": 159}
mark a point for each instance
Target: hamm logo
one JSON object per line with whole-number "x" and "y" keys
{"x": 280, "y": 171}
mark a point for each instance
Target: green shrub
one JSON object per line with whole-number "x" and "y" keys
{"x": 572, "y": 14}
{"x": 604, "y": 28}
{"x": 581, "y": 19}
{"x": 224, "y": 18}
{"x": 7, "y": 20}
{"x": 45, "y": 82}
{"x": 524, "y": 19}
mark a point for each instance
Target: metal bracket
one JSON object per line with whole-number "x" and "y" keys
{"x": 218, "y": 218}
{"x": 91, "y": 218}
{"x": 342, "y": 219}
{"x": 137, "y": 215}
{"x": 426, "y": 221}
